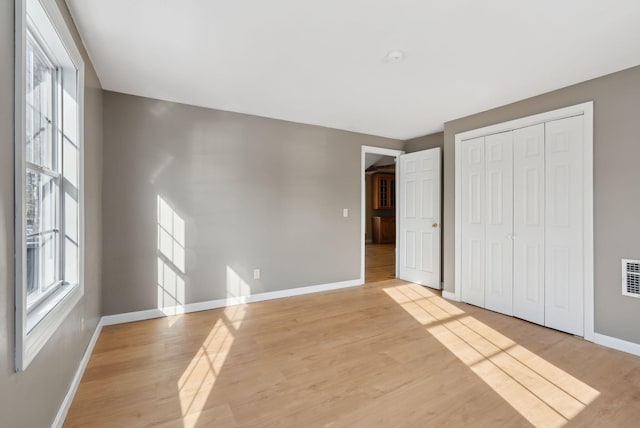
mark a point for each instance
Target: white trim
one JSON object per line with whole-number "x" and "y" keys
{"x": 20, "y": 172}
{"x": 382, "y": 151}
{"x": 588, "y": 234}
{"x": 458, "y": 220}
{"x": 132, "y": 317}
{"x": 450, "y": 296}
{"x": 363, "y": 200}
{"x": 523, "y": 122}
{"x": 221, "y": 303}
{"x": 27, "y": 345}
{"x": 585, "y": 109}
{"x": 68, "y": 399}
{"x": 53, "y": 13}
{"x": 35, "y": 340}
{"x": 615, "y": 343}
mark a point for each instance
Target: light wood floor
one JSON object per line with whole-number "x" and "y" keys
{"x": 380, "y": 262}
{"x": 388, "y": 354}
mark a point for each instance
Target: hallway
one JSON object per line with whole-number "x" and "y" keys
{"x": 380, "y": 262}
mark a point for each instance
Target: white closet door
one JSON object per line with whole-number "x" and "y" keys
{"x": 498, "y": 152}
{"x": 473, "y": 222}
{"x": 528, "y": 223}
{"x": 564, "y": 305}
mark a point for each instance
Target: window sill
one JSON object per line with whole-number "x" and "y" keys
{"x": 43, "y": 321}
{"x": 42, "y": 309}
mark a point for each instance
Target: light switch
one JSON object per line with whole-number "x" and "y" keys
{"x": 345, "y": 212}
{"x": 256, "y": 274}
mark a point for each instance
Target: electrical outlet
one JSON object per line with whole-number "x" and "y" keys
{"x": 256, "y": 274}
{"x": 345, "y": 212}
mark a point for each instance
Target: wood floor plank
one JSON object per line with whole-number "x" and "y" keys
{"x": 389, "y": 353}
{"x": 380, "y": 262}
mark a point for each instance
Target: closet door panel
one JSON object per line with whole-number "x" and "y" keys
{"x": 564, "y": 304}
{"x": 528, "y": 223}
{"x": 499, "y": 222}
{"x": 473, "y": 222}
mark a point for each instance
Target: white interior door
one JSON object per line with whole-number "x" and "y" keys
{"x": 473, "y": 222}
{"x": 419, "y": 240}
{"x": 528, "y": 223}
{"x": 498, "y": 154}
{"x": 564, "y": 236}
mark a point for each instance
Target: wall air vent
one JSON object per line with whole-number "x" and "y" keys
{"x": 631, "y": 278}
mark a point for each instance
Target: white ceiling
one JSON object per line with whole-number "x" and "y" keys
{"x": 323, "y": 62}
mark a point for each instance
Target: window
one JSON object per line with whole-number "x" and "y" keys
{"x": 49, "y": 116}
{"x": 42, "y": 185}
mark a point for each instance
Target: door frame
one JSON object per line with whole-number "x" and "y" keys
{"x": 363, "y": 201}
{"x": 584, "y": 109}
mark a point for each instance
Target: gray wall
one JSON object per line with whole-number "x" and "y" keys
{"x": 424, "y": 143}
{"x": 254, "y": 193}
{"x": 616, "y": 177}
{"x": 32, "y": 398}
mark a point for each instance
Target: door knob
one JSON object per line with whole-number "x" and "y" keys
{"x": 434, "y": 225}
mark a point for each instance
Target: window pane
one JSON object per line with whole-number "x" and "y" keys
{"x": 70, "y": 157}
{"x": 32, "y": 202}
{"x": 41, "y": 193}
{"x": 49, "y": 260}
{"x": 43, "y": 249}
{"x": 39, "y": 114}
{"x": 42, "y": 265}
{"x": 71, "y": 239}
{"x": 33, "y": 271}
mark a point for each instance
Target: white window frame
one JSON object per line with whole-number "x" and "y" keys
{"x": 36, "y": 325}
{"x": 53, "y": 172}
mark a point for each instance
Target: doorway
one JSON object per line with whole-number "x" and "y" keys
{"x": 410, "y": 199}
{"x": 380, "y": 234}
{"x": 379, "y": 259}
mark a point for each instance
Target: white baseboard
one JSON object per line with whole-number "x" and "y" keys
{"x": 449, "y": 295}
{"x": 615, "y": 343}
{"x": 68, "y": 399}
{"x": 270, "y": 295}
{"x": 132, "y": 316}
{"x": 600, "y": 339}
{"x": 221, "y": 303}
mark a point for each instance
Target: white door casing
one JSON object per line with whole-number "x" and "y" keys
{"x": 473, "y": 221}
{"x": 363, "y": 198}
{"x": 498, "y": 154}
{"x": 564, "y": 256}
{"x": 419, "y": 217}
{"x": 528, "y": 223}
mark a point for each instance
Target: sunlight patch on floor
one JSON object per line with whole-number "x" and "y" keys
{"x": 541, "y": 392}
{"x": 197, "y": 381}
